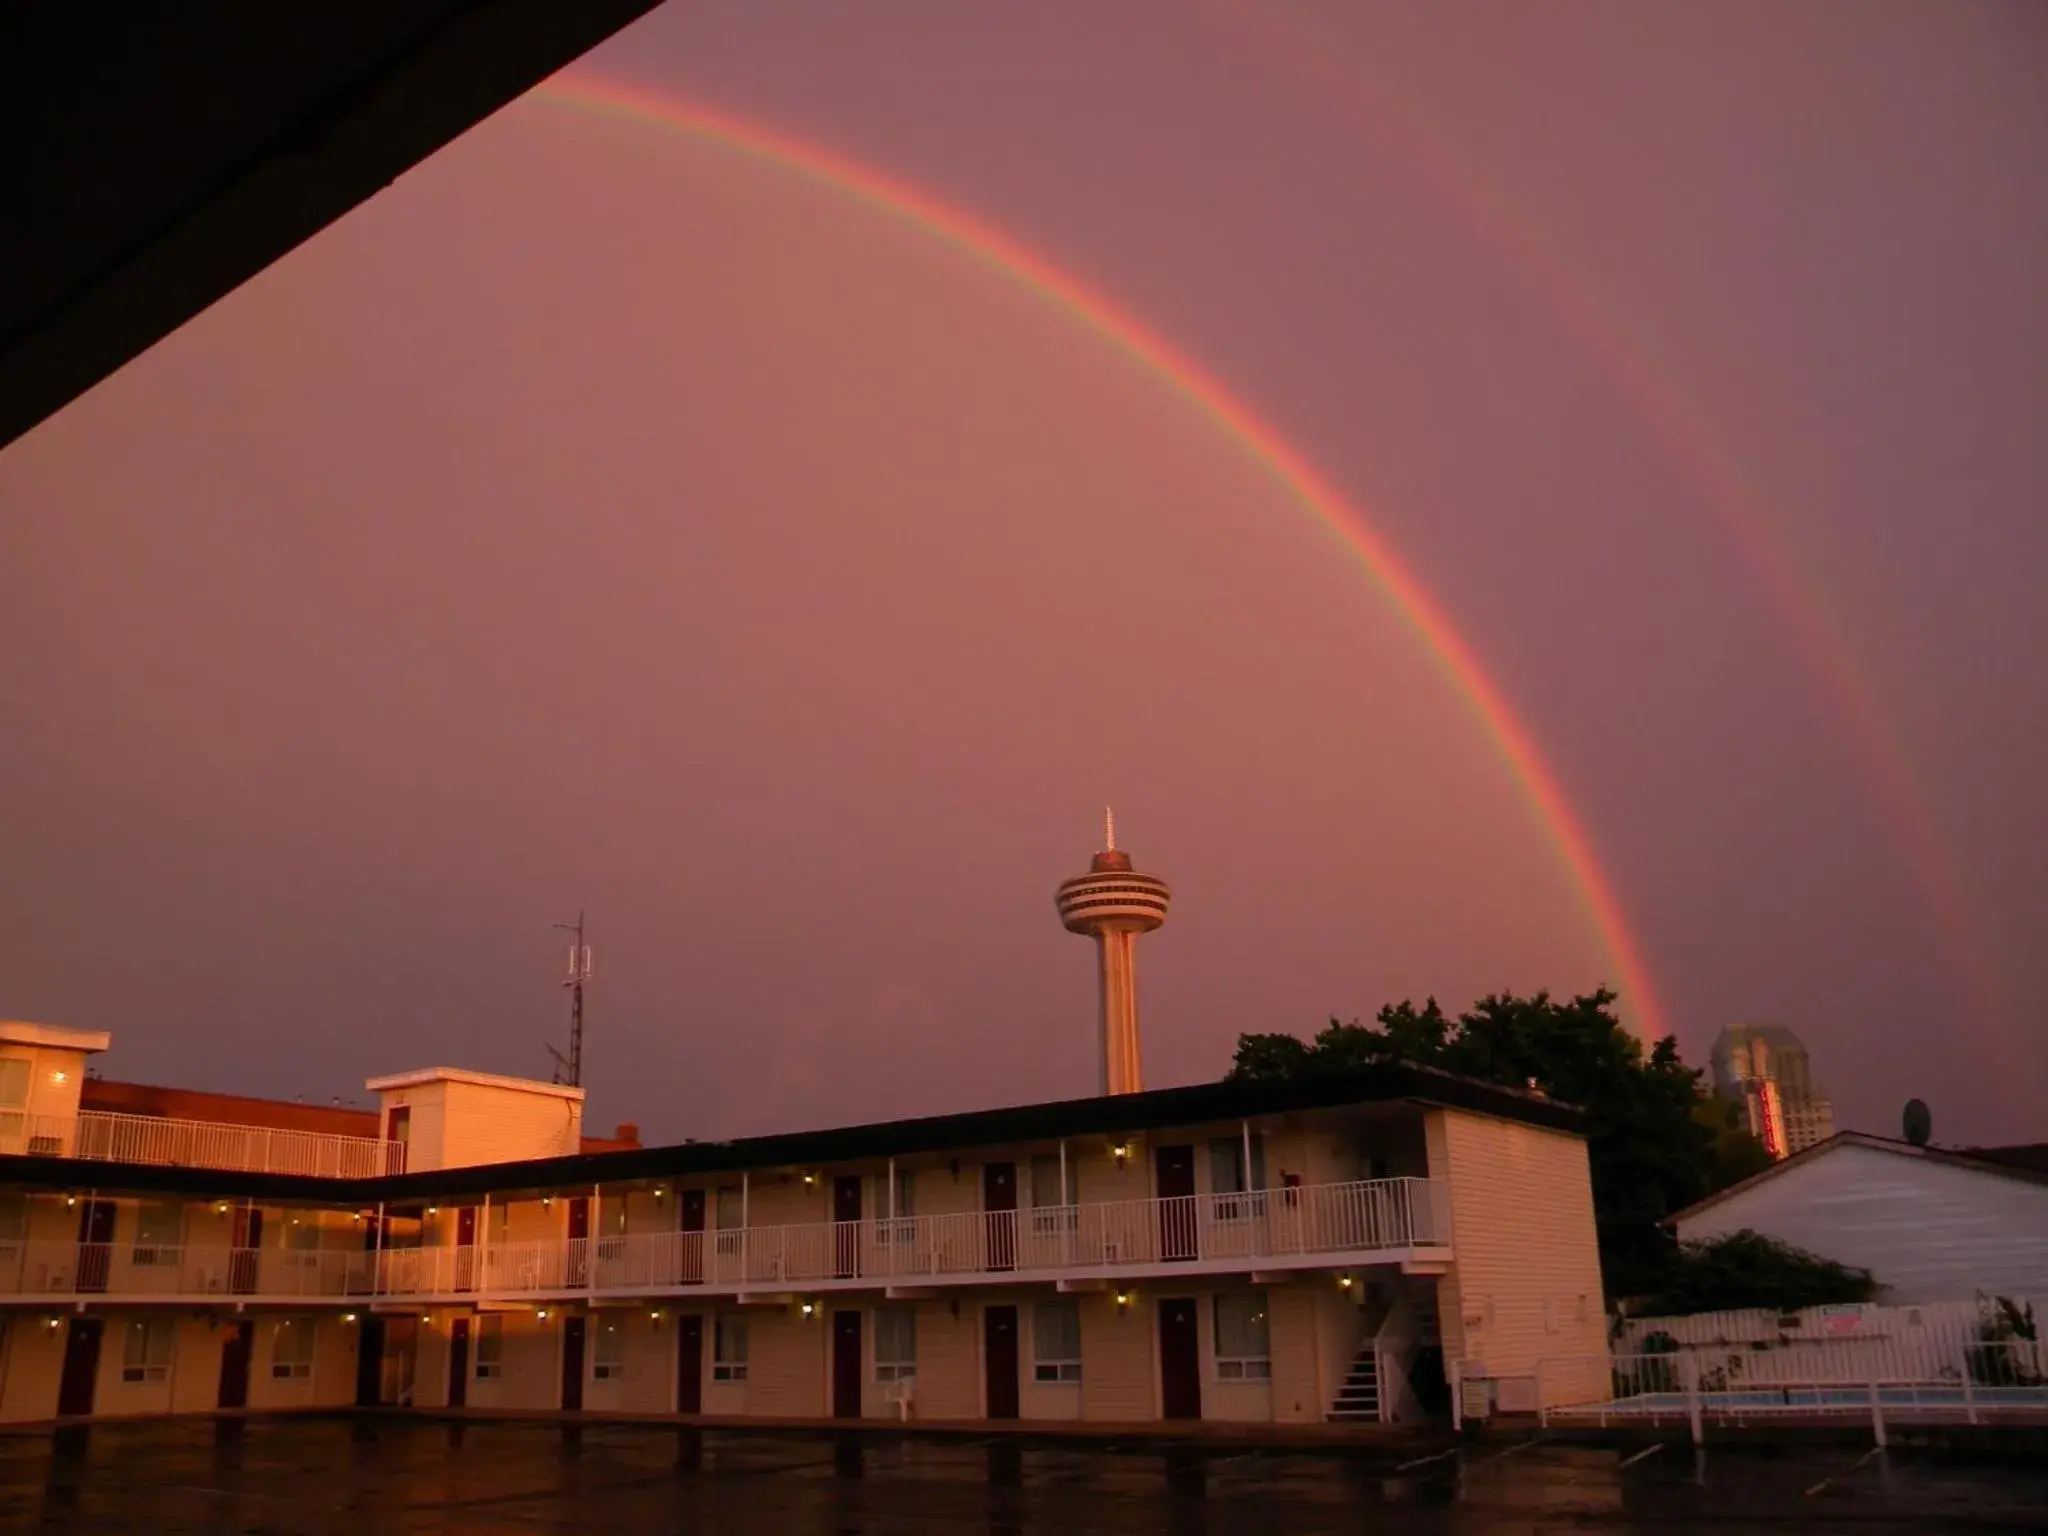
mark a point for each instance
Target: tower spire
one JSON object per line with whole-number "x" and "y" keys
{"x": 1108, "y": 830}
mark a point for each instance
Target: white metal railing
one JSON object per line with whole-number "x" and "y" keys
{"x": 145, "y": 1270}
{"x": 1977, "y": 1380}
{"x": 103, "y": 1136}
{"x": 1375, "y": 1216}
{"x": 1371, "y": 1216}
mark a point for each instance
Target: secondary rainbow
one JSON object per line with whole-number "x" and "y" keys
{"x": 607, "y": 97}
{"x": 1382, "y": 114}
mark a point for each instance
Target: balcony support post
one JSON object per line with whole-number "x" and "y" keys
{"x": 596, "y": 1238}
{"x": 483, "y": 1246}
{"x": 1066, "y": 1228}
{"x": 377, "y": 1254}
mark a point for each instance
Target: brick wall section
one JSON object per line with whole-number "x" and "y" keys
{"x": 224, "y": 1108}
{"x": 1525, "y": 1285}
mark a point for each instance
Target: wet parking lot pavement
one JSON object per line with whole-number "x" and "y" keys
{"x": 381, "y": 1477}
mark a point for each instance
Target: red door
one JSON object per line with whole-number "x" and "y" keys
{"x": 693, "y": 1237}
{"x": 999, "y": 1206}
{"x": 234, "y": 1364}
{"x": 1180, "y": 1358}
{"x": 572, "y": 1362}
{"x": 1178, "y": 1233}
{"x": 846, "y": 1226}
{"x": 245, "y": 1258}
{"x": 579, "y": 1241}
{"x": 458, "y": 1363}
{"x": 370, "y": 1361}
{"x": 95, "y": 1244}
{"x": 999, "y": 1354}
{"x": 846, "y": 1365}
{"x": 81, "y": 1366}
{"x": 398, "y": 1128}
{"x": 689, "y": 1364}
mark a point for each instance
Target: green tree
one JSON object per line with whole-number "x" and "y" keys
{"x": 1653, "y": 1142}
{"x": 1748, "y": 1269}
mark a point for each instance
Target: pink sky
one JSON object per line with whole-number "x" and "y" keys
{"x": 597, "y": 518}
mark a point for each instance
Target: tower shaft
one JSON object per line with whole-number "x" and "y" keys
{"x": 1122, "y": 1064}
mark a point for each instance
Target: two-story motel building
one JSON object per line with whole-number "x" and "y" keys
{"x": 1289, "y": 1253}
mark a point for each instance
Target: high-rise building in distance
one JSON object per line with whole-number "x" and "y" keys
{"x": 1765, "y": 1069}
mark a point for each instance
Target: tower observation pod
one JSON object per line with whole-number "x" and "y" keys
{"x": 1113, "y": 904}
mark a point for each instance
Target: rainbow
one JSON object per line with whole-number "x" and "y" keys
{"x": 1378, "y": 110}
{"x": 601, "y": 96}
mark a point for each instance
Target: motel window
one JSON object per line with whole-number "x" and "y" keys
{"x": 732, "y": 1209}
{"x": 729, "y": 1348}
{"x": 159, "y": 1230}
{"x": 146, "y": 1349}
{"x": 14, "y": 1076}
{"x": 490, "y": 1347}
{"x": 1056, "y": 1341}
{"x": 13, "y": 1218}
{"x": 1053, "y": 1207}
{"x": 608, "y": 1359}
{"x": 291, "y": 1349}
{"x": 906, "y": 1205}
{"x": 302, "y": 1241}
{"x": 1241, "y": 1348}
{"x": 1226, "y": 1165}
{"x": 895, "y": 1343}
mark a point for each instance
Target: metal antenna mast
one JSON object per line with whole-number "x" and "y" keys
{"x": 570, "y": 1068}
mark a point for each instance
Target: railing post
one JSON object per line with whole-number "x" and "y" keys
{"x": 1876, "y": 1412}
{"x": 1969, "y": 1390}
{"x": 1689, "y": 1371}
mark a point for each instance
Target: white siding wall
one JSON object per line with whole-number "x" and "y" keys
{"x": 506, "y": 1125}
{"x": 1929, "y": 1231}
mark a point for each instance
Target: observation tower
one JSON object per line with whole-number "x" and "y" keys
{"x": 1113, "y": 904}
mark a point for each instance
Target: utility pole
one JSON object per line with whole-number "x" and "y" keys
{"x": 570, "y": 1068}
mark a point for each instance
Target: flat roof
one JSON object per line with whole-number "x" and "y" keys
{"x": 58, "y": 1036}
{"x": 423, "y": 1076}
{"x": 1123, "y": 1114}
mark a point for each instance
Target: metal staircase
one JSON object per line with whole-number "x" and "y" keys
{"x": 1358, "y": 1400}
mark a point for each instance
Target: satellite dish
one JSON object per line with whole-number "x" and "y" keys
{"x": 1919, "y": 1122}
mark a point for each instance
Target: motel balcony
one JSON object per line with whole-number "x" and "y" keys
{"x": 1398, "y": 1221}
{"x": 102, "y": 1136}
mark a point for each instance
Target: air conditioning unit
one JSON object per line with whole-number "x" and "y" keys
{"x": 1476, "y": 1398}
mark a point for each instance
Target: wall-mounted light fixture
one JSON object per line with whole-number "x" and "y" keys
{"x": 810, "y": 1179}
{"x": 60, "y": 1076}
{"x": 809, "y": 1307}
{"x": 70, "y": 1200}
{"x": 546, "y": 1201}
{"x": 542, "y": 1314}
{"x": 433, "y": 1210}
{"x": 221, "y": 1209}
{"x": 661, "y": 1191}
{"x": 1343, "y": 1282}
{"x": 54, "y": 1324}
{"x": 1123, "y": 1300}
{"x": 1121, "y": 1151}
{"x": 348, "y": 1317}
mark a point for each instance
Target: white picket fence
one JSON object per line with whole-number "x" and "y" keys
{"x": 1893, "y": 1343}
{"x": 1929, "y": 1363}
